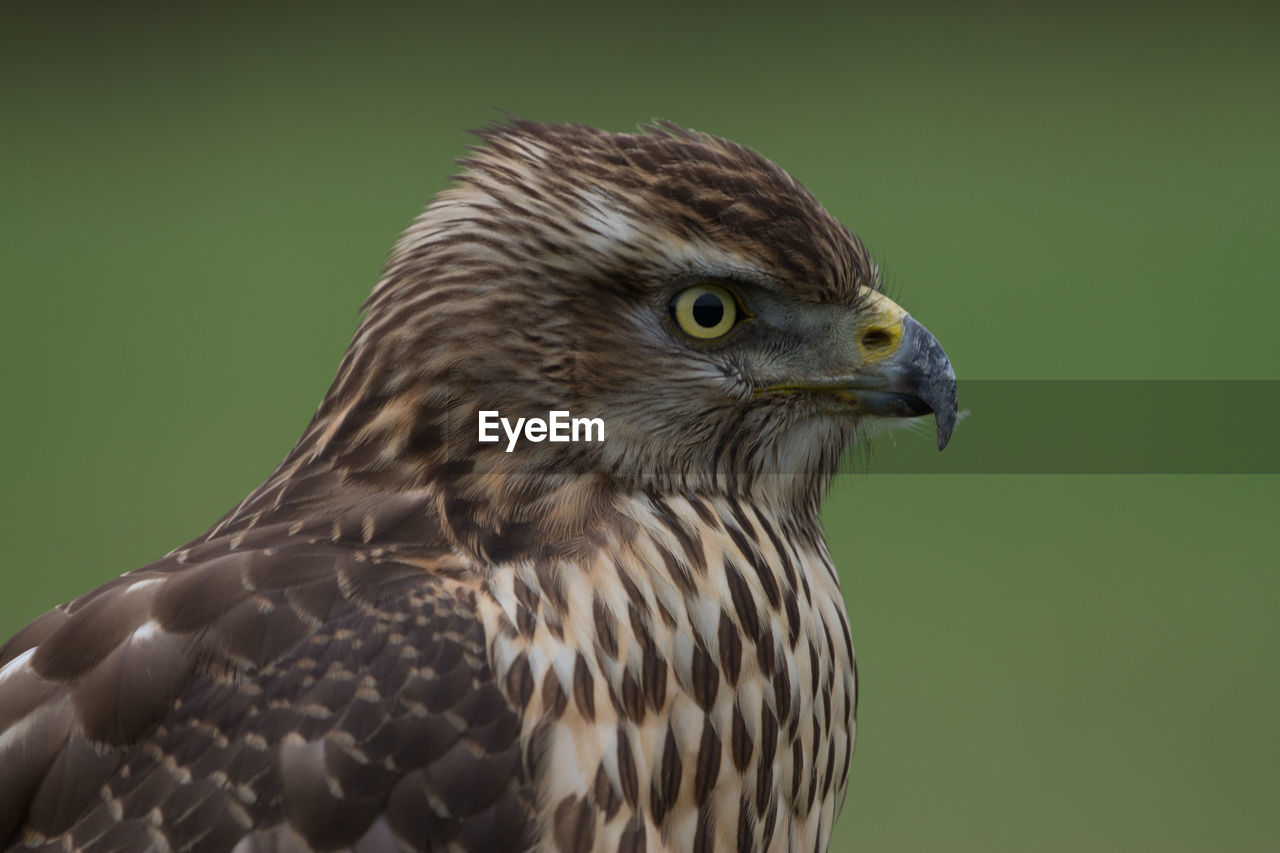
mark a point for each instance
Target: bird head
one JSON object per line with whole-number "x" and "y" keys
{"x": 694, "y": 297}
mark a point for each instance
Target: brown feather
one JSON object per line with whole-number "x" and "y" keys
{"x": 408, "y": 639}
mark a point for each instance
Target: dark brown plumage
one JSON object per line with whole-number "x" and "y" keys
{"x": 407, "y": 638}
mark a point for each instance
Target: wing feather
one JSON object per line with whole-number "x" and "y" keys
{"x": 297, "y": 695}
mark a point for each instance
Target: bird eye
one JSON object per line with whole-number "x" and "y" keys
{"x": 705, "y": 311}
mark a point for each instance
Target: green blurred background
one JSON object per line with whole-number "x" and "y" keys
{"x": 194, "y": 203}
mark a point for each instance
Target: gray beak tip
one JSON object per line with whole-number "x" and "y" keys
{"x": 945, "y": 412}
{"x": 945, "y": 425}
{"x": 934, "y": 377}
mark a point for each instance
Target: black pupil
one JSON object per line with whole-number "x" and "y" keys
{"x": 708, "y": 310}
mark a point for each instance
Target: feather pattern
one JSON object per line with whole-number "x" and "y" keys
{"x": 407, "y": 639}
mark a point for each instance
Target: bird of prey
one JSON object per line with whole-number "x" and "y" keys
{"x": 408, "y": 638}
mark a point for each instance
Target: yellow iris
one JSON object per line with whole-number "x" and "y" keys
{"x": 705, "y": 311}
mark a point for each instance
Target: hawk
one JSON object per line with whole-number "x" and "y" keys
{"x": 411, "y": 639}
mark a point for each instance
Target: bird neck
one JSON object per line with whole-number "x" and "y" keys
{"x": 404, "y": 460}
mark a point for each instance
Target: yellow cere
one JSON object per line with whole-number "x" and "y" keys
{"x": 880, "y": 331}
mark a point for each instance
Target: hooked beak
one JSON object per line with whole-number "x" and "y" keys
{"x": 893, "y": 367}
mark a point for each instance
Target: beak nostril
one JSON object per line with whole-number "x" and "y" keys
{"x": 876, "y": 338}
